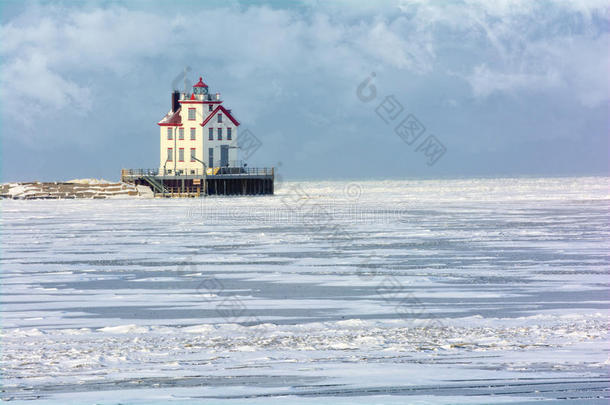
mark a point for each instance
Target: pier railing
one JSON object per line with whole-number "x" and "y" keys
{"x": 259, "y": 171}
{"x": 139, "y": 172}
{"x": 129, "y": 174}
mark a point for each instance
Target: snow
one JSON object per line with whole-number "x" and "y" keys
{"x": 438, "y": 286}
{"x": 89, "y": 181}
{"x": 144, "y": 191}
{"x": 125, "y": 329}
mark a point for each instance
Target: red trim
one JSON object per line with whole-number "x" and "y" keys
{"x": 224, "y": 110}
{"x": 194, "y": 113}
{"x": 180, "y": 149}
{"x": 199, "y": 102}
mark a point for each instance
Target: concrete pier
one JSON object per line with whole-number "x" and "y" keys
{"x": 222, "y": 181}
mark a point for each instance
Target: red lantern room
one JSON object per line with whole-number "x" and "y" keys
{"x": 200, "y": 87}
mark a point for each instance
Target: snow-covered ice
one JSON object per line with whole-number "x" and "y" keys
{"x": 444, "y": 291}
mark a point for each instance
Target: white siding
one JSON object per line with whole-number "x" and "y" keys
{"x": 201, "y": 142}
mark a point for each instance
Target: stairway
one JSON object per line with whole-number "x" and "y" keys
{"x": 155, "y": 184}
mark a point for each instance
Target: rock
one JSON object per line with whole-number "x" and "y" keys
{"x": 83, "y": 188}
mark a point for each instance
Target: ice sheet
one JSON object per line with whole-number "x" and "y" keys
{"x": 440, "y": 291}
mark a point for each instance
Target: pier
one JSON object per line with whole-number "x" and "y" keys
{"x": 198, "y": 183}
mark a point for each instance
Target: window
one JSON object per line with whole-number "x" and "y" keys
{"x": 210, "y": 107}
{"x": 191, "y": 114}
{"x": 170, "y": 154}
{"x": 211, "y": 134}
{"x": 181, "y": 155}
{"x": 181, "y": 136}
{"x": 193, "y": 134}
{"x": 229, "y": 135}
{"x": 169, "y": 134}
{"x": 193, "y": 155}
{"x": 220, "y": 134}
{"x": 211, "y": 157}
{"x": 219, "y": 118}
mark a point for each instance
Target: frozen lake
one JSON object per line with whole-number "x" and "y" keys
{"x": 329, "y": 292}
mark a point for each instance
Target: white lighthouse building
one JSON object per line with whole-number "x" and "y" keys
{"x": 197, "y": 131}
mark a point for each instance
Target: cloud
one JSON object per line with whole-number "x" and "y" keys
{"x": 520, "y": 46}
{"x": 30, "y": 85}
{"x": 576, "y": 65}
{"x": 55, "y": 58}
{"x": 68, "y": 59}
{"x": 485, "y": 81}
{"x": 44, "y": 50}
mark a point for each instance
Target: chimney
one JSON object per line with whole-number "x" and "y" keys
{"x": 175, "y": 98}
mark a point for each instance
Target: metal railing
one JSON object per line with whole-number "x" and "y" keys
{"x": 233, "y": 170}
{"x": 259, "y": 171}
{"x": 139, "y": 172}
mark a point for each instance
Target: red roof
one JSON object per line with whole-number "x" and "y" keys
{"x": 201, "y": 83}
{"x": 171, "y": 119}
{"x": 224, "y": 110}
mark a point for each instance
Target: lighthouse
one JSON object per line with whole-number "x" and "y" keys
{"x": 198, "y": 133}
{"x": 198, "y": 151}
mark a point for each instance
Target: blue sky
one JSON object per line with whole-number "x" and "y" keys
{"x": 508, "y": 88}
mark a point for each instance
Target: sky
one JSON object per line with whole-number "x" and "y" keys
{"x": 329, "y": 89}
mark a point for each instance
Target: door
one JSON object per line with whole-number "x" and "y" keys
{"x": 224, "y": 155}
